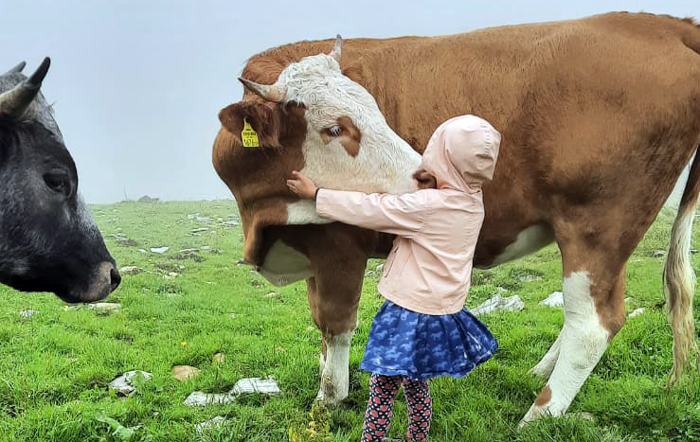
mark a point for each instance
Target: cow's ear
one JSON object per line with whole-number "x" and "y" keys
{"x": 264, "y": 119}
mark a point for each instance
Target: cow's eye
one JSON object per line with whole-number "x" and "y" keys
{"x": 59, "y": 182}
{"x": 335, "y": 131}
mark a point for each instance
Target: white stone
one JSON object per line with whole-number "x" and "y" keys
{"x": 160, "y": 250}
{"x": 215, "y": 422}
{"x": 28, "y": 313}
{"x": 143, "y": 251}
{"x": 530, "y": 278}
{"x": 199, "y": 398}
{"x": 583, "y": 416}
{"x": 130, "y": 270}
{"x": 556, "y": 299}
{"x": 636, "y": 312}
{"x": 122, "y": 384}
{"x": 256, "y": 385}
{"x": 201, "y": 229}
{"x": 499, "y": 303}
{"x": 107, "y": 306}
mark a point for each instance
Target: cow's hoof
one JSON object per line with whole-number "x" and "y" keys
{"x": 329, "y": 399}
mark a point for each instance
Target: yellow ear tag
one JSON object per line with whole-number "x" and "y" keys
{"x": 248, "y": 135}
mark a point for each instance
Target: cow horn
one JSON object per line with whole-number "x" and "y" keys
{"x": 17, "y": 69}
{"x": 271, "y": 92}
{"x": 335, "y": 53}
{"x": 14, "y": 103}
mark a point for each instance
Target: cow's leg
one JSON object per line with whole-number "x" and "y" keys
{"x": 546, "y": 365}
{"x": 593, "y": 314}
{"x": 334, "y": 309}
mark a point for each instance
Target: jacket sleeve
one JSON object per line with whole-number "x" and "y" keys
{"x": 401, "y": 215}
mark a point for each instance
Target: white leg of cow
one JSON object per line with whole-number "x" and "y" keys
{"x": 583, "y": 341}
{"x": 546, "y": 365}
{"x": 335, "y": 373}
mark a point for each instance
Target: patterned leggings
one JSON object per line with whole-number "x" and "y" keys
{"x": 380, "y": 407}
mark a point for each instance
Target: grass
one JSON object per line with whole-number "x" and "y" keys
{"x": 55, "y": 366}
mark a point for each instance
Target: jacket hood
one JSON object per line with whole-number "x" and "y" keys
{"x": 462, "y": 153}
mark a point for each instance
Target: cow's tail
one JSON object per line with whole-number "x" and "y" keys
{"x": 679, "y": 279}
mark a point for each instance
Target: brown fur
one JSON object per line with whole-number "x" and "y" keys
{"x": 544, "y": 397}
{"x": 598, "y": 118}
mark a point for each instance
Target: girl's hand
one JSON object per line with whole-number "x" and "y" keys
{"x": 302, "y": 185}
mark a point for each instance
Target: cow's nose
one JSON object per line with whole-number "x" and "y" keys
{"x": 115, "y": 278}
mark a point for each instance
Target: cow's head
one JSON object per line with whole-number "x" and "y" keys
{"x": 327, "y": 126}
{"x": 48, "y": 241}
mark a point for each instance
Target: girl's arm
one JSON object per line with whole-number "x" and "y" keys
{"x": 397, "y": 214}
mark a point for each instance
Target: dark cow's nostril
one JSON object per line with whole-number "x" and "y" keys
{"x": 115, "y": 278}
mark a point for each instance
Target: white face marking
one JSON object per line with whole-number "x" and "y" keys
{"x": 583, "y": 341}
{"x": 283, "y": 265}
{"x": 384, "y": 163}
{"x": 528, "y": 241}
{"x": 335, "y": 372}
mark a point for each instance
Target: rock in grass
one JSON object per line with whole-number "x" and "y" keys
{"x": 28, "y": 313}
{"x": 130, "y": 270}
{"x": 159, "y": 250}
{"x": 199, "y": 398}
{"x": 218, "y": 358}
{"x": 583, "y": 416}
{"x": 256, "y": 385}
{"x": 499, "y": 303}
{"x": 556, "y": 299}
{"x": 127, "y": 383}
{"x": 530, "y": 278}
{"x": 244, "y": 386}
{"x": 184, "y": 372}
{"x": 105, "y": 306}
{"x": 200, "y": 229}
{"x": 636, "y": 312}
{"x": 213, "y": 423}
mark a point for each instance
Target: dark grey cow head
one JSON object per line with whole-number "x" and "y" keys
{"x": 48, "y": 241}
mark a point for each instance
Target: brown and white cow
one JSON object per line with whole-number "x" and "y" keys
{"x": 599, "y": 116}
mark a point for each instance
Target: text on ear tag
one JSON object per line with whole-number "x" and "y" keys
{"x": 248, "y": 135}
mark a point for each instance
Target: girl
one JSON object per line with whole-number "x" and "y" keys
{"x": 422, "y": 330}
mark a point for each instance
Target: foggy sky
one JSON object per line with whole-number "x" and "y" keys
{"x": 138, "y": 84}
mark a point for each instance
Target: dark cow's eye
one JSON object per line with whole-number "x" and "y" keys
{"x": 335, "y": 131}
{"x": 58, "y": 181}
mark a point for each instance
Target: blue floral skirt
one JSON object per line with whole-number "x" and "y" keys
{"x": 420, "y": 346}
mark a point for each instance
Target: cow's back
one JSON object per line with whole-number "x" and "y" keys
{"x": 564, "y": 95}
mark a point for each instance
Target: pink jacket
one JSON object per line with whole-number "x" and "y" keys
{"x": 429, "y": 267}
